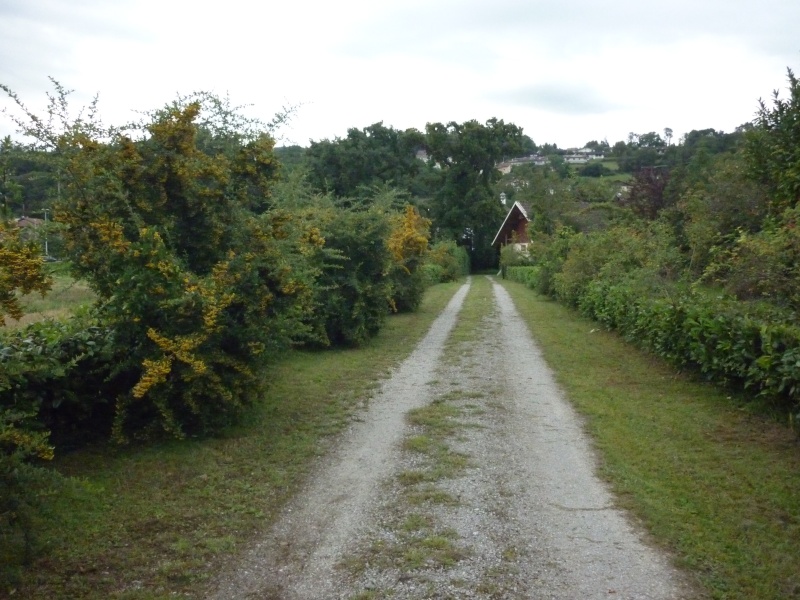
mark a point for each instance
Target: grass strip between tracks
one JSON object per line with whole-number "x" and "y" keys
{"x": 716, "y": 483}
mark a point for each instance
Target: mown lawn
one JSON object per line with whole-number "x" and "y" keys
{"x": 159, "y": 521}
{"x": 713, "y": 480}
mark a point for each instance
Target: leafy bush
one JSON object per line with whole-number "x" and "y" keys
{"x": 353, "y": 294}
{"x": 61, "y": 375}
{"x": 511, "y": 256}
{"x": 20, "y": 270}
{"x": 408, "y": 245}
{"x": 764, "y": 264}
{"x": 452, "y": 260}
{"x": 646, "y": 249}
{"x": 773, "y": 147}
{"x": 431, "y": 274}
{"x": 197, "y": 288}
{"x": 549, "y": 252}
{"x": 22, "y": 438}
{"x": 56, "y": 389}
{"x": 730, "y": 342}
{"x": 623, "y": 282}
{"x": 527, "y": 276}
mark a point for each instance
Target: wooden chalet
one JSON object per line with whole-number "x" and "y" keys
{"x": 514, "y": 229}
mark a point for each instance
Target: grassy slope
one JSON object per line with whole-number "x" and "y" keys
{"x": 150, "y": 522}
{"x": 717, "y": 484}
{"x": 61, "y": 301}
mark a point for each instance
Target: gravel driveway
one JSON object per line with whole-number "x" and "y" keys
{"x": 469, "y": 476}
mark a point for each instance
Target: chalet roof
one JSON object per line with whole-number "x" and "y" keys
{"x": 29, "y": 222}
{"x": 523, "y": 209}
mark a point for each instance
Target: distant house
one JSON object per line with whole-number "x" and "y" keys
{"x": 506, "y": 166}
{"x": 514, "y": 229}
{"x": 28, "y": 223}
{"x": 581, "y": 156}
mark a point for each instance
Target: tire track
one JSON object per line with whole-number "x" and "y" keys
{"x": 297, "y": 558}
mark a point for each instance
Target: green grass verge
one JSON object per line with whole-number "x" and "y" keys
{"x": 159, "y": 521}
{"x": 61, "y": 301}
{"x": 714, "y": 482}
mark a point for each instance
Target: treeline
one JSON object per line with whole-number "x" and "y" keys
{"x": 697, "y": 259}
{"x": 208, "y": 264}
{"x": 448, "y": 171}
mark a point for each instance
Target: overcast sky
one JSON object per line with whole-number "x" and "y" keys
{"x": 565, "y": 71}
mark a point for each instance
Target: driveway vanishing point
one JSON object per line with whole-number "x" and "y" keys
{"x": 468, "y": 476}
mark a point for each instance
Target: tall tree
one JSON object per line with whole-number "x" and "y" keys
{"x": 464, "y": 208}
{"x": 773, "y": 147}
{"x": 365, "y": 158}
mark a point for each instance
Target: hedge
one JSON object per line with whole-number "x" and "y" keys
{"x": 729, "y": 341}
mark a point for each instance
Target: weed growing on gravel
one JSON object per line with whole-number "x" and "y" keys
{"x": 416, "y": 522}
{"x": 479, "y": 301}
{"x": 367, "y": 595}
{"x": 415, "y": 548}
{"x": 432, "y": 551}
{"x": 716, "y": 483}
{"x": 438, "y": 419}
{"x": 430, "y": 494}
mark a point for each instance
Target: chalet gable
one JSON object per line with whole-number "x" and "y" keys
{"x": 515, "y": 226}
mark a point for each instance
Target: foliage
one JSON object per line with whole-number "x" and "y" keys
{"x": 446, "y": 261}
{"x": 452, "y": 187}
{"x": 511, "y": 256}
{"x": 640, "y": 151}
{"x": 549, "y": 252}
{"x": 365, "y": 158}
{"x": 290, "y": 157}
{"x": 645, "y": 273}
{"x": 20, "y": 271}
{"x": 647, "y": 197}
{"x": 464, "y": 208}
{"x": 594, "y": 168}
{"x": 717, "y": 210}
{"x": 201, "y": 276}
{"x": 762, "y": 264}
{"x": 158, "y": 520}
{"x": 408, "y": 245}
{"x": 644, "y": 250}
{"x": 24, "y": 491}
{"x": 59, "y": 374}
{"x": 731, "y": 343}
{"x": 726, "y": 341}
{"x": 197, "y": 287}
{"x": 773, "y": 147}
{"x": 353, "y": 293}
{"x": 10, "y": 188}
{"x": 54, "y": 391}
{"x": 714, "y": 479}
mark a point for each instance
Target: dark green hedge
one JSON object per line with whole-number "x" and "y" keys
{"x": 730, "y": 341}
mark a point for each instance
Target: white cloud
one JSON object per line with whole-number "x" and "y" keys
{"x": 566, "y": 72}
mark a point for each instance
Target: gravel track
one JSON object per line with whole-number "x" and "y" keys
{"x": 503, "y": 502}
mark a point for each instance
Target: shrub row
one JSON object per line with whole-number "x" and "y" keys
{"x": 729, "y": 341}
{"x": 201, "y": 279}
